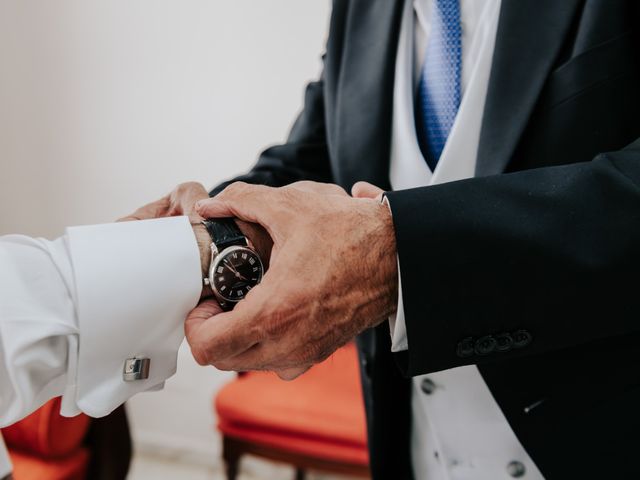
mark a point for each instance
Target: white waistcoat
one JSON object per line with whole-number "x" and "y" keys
{"x": 459, "y": 432}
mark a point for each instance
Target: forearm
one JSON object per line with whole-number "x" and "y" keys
{"x": 548, "y": 251}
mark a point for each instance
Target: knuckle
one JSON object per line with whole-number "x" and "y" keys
{"x": 186, "y": 186}
{"x": 288, "y": 375}
{"x": 223, "y": 366}
{"x": 184, "y": 189}
{"x": 338, "y": 189}
{"x": 236, "y": 188}
{"x": 304, "y": 185}
{"x": 307, "y": 186}
{"x": 200, "y": 354}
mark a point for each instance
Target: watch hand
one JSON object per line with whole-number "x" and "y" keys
{"x": 231, "y": 267}
{"x": 235, "y": 271}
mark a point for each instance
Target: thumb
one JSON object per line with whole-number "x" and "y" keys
{"x": 203, "y": 312}
{"x": 366, "y": 190}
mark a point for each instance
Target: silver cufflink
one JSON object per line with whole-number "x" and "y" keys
{"x": 136, "y": 369}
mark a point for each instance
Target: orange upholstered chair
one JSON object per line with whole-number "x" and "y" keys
{"x": 47, "y": 446}
{"x": 315, "y": 422}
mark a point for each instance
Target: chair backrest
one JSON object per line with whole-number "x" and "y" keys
{"x": 47, "y": 436}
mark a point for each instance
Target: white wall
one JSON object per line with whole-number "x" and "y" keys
{"x": 105, "y": 105}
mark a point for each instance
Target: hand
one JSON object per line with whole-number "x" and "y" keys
{"x": 209, "y": 308}
{"x": 333, "y": 274}
{"x": 181, "y": 201}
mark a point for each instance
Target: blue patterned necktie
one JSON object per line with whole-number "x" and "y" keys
{"x": 438, "y": 96}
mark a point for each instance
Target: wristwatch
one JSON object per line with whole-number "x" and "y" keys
{"x": 235, "y": 266}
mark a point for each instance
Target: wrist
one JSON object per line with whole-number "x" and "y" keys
{"x": 204, "y": 247}
{"x": 388, "y": 264}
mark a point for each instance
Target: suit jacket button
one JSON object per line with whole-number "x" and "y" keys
{"x": 516, "y": 469}
{"x": 485, "y": 345}
{"x": 521, "y": 338}
{"x": 465, "y": 347}
{"x": 504, "y": 342}
{"x": 427, "y": 386}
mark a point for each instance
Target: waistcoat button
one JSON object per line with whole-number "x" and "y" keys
{"x": 516, "y": 469}
{"x": 427, "y": 386}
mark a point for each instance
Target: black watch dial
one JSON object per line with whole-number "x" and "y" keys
{"x": 235, "y": 272}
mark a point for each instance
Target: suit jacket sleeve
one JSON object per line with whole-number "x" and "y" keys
{"x": 519, "y": 264}
{"x": 304, "y": 156}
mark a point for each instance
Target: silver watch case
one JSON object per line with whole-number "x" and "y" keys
{"x": 216, "y": 258}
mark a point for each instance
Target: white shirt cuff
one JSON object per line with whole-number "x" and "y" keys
{"x": 135, "y": 284}
{"x": 397, "y": 325}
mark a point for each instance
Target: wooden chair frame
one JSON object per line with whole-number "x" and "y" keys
{"x": 233, "y": 449}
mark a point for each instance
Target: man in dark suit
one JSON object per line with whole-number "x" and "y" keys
{"x": 525, "y": 270}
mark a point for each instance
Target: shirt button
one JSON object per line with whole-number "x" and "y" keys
{"x": 516, "y": 469}
{"x": 427, "y": 386}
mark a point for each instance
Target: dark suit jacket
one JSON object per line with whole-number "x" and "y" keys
{"x": 531, "y": 270}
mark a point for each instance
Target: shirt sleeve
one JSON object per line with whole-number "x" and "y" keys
{"x": 397, "y": 325}
{"x": 74, "y": 309}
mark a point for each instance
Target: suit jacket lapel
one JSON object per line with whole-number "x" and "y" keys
{"x": 529, "y": 38}
{"x": 362, "y": 129}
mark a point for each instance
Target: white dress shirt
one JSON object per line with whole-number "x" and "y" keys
{"x": 74, "y": 309}
{"x": 458, "y": 430}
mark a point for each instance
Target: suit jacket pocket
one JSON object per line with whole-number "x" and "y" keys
{"x": 589, "y": 70}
